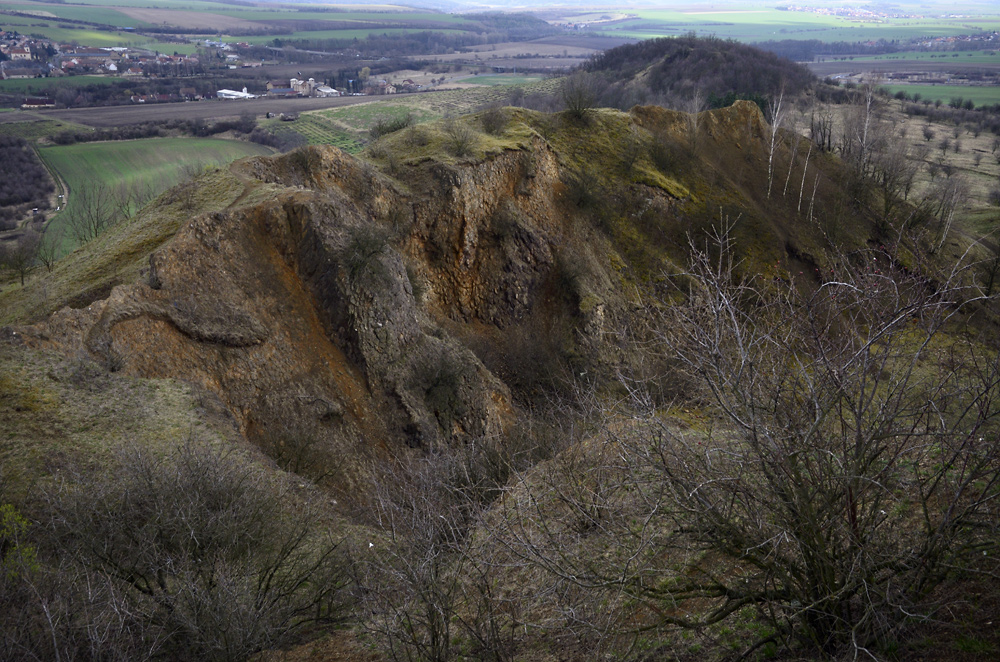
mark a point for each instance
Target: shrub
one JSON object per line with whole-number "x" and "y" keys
{"x": 360, "y": 253}
{"x": 383, "y": 125}
{"x": 460, "y": 139}
{"x": 845, "y": 468}
{"x": 494, "y": 120}
{"x": 579, "y": 94}
{"x": 211, "y": 557}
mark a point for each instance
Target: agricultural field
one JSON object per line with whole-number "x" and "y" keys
{"x": 501, "y": 79}
{"x": 82, "y": 35}
{"x": 55, "y": 21}
{"x": 93, "y": 14}
{"x": 43, "y": 85}
{"x": 157, "y": 163}
{"x": 980, "y": 95}
{"x": 965, "y": 57}
{"x": 317, "y": 130}
{"x": 766, "y": 24}
{"x": 362, "y": 33}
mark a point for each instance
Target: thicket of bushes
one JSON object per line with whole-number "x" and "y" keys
{"x": 23, "y": 179}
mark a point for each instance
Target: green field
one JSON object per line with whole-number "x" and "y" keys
{"x": 47, "y": 17}
{"x": 87, "y": 36}
{"x": 41, "y": 85}
{"x": 980, "y": 95}
{"x": 502, "y": 80}
{"x": 157, "y": 162}
{"x": 53, "y": 11}
{"x": 963, "y": 57}
{"x": 414, "y": 17}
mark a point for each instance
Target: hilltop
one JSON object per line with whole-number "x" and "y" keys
{"x": 708, "y": 68}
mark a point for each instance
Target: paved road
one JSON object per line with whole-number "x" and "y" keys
{"x": 158, "y": 112}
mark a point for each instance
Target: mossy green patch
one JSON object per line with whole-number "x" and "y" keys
{"x": 452, "y": 141}
{"x": 652, "y": 177}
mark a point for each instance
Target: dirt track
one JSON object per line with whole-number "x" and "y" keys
{"x": 208, "y": 109}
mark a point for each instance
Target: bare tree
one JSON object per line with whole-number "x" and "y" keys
{"x": 19, "y": 255}
{"x": 579, "y": 95}
{"x": 208, "y": 550}
{"x": 427, "y": 573}
{"x": 694, "y": 106}
{"x": 48, "y": 247}
{"x": 821, "y": 129}
{"x": 91, "y": 210}
{"x": 777, "y": 113}
{"x": 893, "y": 171}
{"x": 943, "y": 200}
{"x": 865, "y": 131}
{"x": 844, "y": 466}
{"x": 130, "y": 197}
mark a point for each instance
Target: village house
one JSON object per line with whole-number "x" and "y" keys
{"x": 38, "y": 102}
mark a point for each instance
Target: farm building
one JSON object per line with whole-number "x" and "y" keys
{"x": 38, "y": 102}
{"x": 233, "y": 94}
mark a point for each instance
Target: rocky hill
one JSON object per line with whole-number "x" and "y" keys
{"x": 420, "y": 299}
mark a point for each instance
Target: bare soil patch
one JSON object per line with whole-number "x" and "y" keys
{"x": 188, "y": 19}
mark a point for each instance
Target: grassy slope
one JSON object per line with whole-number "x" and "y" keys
{"x": 723, "y": 177}
{"x": 120, "y": 254}
{"x": 156, "y": 162}
{"x": 56, "y": 412}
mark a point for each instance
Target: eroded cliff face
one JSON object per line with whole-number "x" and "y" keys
{"x": 300, "y": 312}
{"x": 336, "y": 313}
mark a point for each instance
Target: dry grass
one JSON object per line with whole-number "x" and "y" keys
{"x": 57, "y": 411}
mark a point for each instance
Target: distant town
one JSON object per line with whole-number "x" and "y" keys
{"x": 26, "y": 57}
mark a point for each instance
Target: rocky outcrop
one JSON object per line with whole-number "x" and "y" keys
{"x": 340, "y": 311}
{"x": 309, "y": 297}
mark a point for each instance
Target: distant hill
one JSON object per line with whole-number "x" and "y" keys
{"x": 674, "y": 68}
